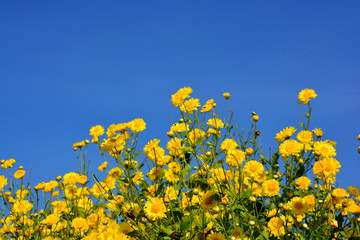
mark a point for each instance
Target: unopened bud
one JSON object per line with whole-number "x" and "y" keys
{"x": 226, "y": 95}
{"x": 255, "y": 118}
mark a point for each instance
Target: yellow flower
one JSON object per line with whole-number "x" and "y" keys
{"x": 155, "y": 209}
{"x": 216, "y": 236}
{"x": 174, "y": 146}
{"x": 9, "y": 163}
{"x": 310, "y": 200}
{"x": 305, "y": 136}
{"x": 339, "y": 193}
{"x": 19, "y": 174}
{"x": 179, "y": 127}
{"x": 207, "y": 200}
{"x": 215, "y": 123}
{"x": 318, "y": 132}
{"x": 235, "y": 157}
{"x": 3, "y": 182}
{"x": 226, "y": 95}
{"x": 194, "y": 135}
{"x": 284, "y": 134}
{"x": 103, "y": 166}
{"x": 276, "y": 227}
{"x": 137, "y": 125}
{"x": 178, "y": 98}
{"x": 290, "y": 147}
{"x": 228, "y": 145}
{"x": 80, "y": 224}
{"x": 305, "y": 95}
{"x": 51, "y": 219}
{"x": 96, "y": 131}
{"x": 326, "y": 169}
{"x": 302, "y": 183}
{"x": 271, "y": 188}
{"x": 50, "y": 186}
{"x": 190, "y": 105}
{"x": 253, "y": 169}
{"x": 22, "y": 206}
{"x": 298, "y": 206}
{"x": 324, "y": 149}
{"x": 208, "y": 106}
{"x": 351, "y": 189}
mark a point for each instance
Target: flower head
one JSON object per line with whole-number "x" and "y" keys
{"x": 305, "y": 95}
{"x": 155, "y": 209}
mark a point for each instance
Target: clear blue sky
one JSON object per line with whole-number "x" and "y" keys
{"x": 68, "y": 65}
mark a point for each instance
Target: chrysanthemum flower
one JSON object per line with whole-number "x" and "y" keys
{"x": 22, "y": 206}
{"x": 318, "y": 132}
{"x": 305, "y": 136}
{"x": 271, "y": 188}
{"x": 3, "y": 182}
{"x": 174, "y": 146}
{"x": 290, "y": 147}
{"x": 353, "y": 191}
{"x": 326, "y": 169}
{"x": 155, "y": 209}
{"x": 284, "y": 134}
{"x": 194, "y": 135}
{"x": 235, "y": 157}
{"x": 80, "y": 224}
{"x": 216, "y": 236}
{"x": 97, "y": 131}
{"x": 303, "y": 183}
{"x": 298, "y": 206}
{"x": 207, "y": 200}
{"x": 215, "y": 123}
{"x": 190, "y": 105}
{"x": 208, "y": 106}
{"x": 253, "y": 169}
{"x": 276, "y": 227}
{"x": 228, "y": 145}
{"x": 324, "y": 149}
{"x": 305, "y": 95}
{"x": 19, "y": 174}
{"x": 178, "y": 98}
{"x": 137, "y": 125}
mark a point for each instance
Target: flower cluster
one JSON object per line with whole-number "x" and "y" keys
{"x": 208, "y": 181}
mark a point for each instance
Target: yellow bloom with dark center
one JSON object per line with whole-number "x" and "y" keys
{"x": 228, "y": 145}
{"x": 19, "y": 174}
{"x": 290, "y": 147}
{"x": 235, "y": 157}
{"x": 271, "y": 188}
{"x": 216, "y": 236}
{"x": 179, "y": 97}
{"x": 207, "y": 200}
{"x": 253, "y": 169}
{"x": 3, "y": 182}
{"x": 137, "y": 125}
{"x": 215, "y": 123}
{"x": 174, "y": 166}
{"x": 305, "y": 136}
{"x": 155, "y": 209}
{"x": 305, "y": 95}
{"x": 302, "y": 183}
{"x": 284, "y": 134}
{"x": 190, "y": 105}
{"x": 276, "y": 227}
{"x": 324, "y": 149}
{"x": 298, "y": 206}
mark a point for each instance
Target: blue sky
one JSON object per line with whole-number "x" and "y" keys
{"x": 68, "y": 65}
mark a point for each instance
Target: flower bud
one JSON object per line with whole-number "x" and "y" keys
{"x": 255, "y": 118}
{"x": 208, "y": 154}
{"x": 301, "y": 161}
{"x": 252, "y": 222}
{"x": 358, "y": 137}
{"x": 2, "y": 161}
{"x": 257, "y": 133}
{"x": 196, "y": 191}
{"x": 249, "y": 151}
{"x": 226, "y": 95}
{"x": 195, "y": 168}
{"x": 21, "y": 168}
{"x": 181, "y": 120}
{"x": 216, "y": 209}
{"x": 252, "y": 199}
{"x": 333, "y": 223}
{"x": 344, "y": 213}
{"x": 170, "y": 134}
{"x": 358, "y": 149}
{"x": 87, "y": 141}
